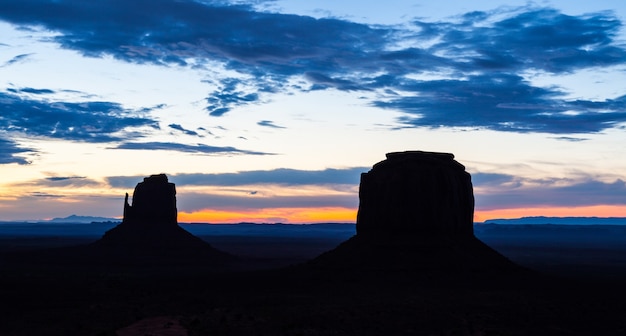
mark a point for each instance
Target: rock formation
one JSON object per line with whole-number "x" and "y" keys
{"x": 154, "y": 203}
{"x": 416, "y": 213}
{"x": 150, "y": 227}
{"x": 416, "y": 193}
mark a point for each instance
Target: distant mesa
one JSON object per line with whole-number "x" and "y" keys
{"x": 150, "y": 226}
{"x": 75, "y": 219}
{"x": 416, "y": 212}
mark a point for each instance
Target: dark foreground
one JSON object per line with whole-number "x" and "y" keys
{"x": 578, "y": 289}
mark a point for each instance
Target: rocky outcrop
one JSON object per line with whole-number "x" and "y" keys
{"x": 416, "y": 193}
{"x": 416, "y": 214}
{"x": 154, "y": 203}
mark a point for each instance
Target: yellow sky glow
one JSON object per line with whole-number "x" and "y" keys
{"x": 287, "y": 215}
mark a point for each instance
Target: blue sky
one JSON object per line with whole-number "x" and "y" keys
{"x": 270, "y": 110}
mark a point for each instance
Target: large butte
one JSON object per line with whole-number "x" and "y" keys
{"x": 416, "y": 213}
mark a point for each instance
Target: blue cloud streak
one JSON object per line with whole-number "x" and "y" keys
{"x": 198, "y": 148}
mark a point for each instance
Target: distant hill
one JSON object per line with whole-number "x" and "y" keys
{"x": 82, "y": 219}
{"x": 561, "y": 220}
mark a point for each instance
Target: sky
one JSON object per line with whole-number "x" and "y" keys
{"x": 269, "y": 110}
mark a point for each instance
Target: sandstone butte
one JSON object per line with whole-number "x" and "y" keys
{"x": 416, "y": 214}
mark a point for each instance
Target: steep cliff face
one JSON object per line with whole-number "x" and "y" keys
{"x": 416, "y": 193}
{"x": 154, "y": 203}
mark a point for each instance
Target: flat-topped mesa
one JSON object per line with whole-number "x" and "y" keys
{"x": 154, "y": 203}
{"x": 416, "y": 193}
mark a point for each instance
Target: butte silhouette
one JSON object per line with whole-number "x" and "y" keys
{"x": 150, "y": 229}
{"x": 416, "y": 213}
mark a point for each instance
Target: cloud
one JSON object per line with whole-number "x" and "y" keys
{"x": 571, "y": 139}
{"x": 63, "y": 178}
{"x": 16, "y": 59}
{"x": 31, "y": 90}
{"x": 281, "y": 176}
{"x": 45, "y": 195}
{"x": 66, "y": 181}
{"x": 527, "y": 38}
{"x": 198, "y": 148}
{"x": 219, "y": 103}
{"x": 503, "y": 103}
{"x": 481, "y": 59}
{"x": 9, "y": 152}
{"x": 267, "y": 47}
{"x": 269, "y": 123}
{"x": 498, "y": 191}
{"x": 93, "y": 121}
{"x": 180, "y": 128}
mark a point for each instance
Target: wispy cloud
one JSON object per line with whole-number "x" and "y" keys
{"x": 59, "y": 182}
{"x": 67, "y": 181}
{"x": 269, "y": 123}
{"x": 197, "y": 148}
{"x": 182, "y": 129}
{"x": 481, "y": 58}
{"x": 16, "y": 59}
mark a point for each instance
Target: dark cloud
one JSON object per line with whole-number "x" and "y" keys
{"x": 31, "y": 90}
{"x": 268, "y": 46}
{"x": 182, "y": 129}
{"x": 198, "y": 148}
{"x": 504, "y": 103}
{"x": 268, "y": 123}
{"x": 507, "y": 191}
{"x": 480, "y": 56}
{"x": 10, "y": 152}
{"x": 282, "y": 176}
{"x": 92, "y": 121}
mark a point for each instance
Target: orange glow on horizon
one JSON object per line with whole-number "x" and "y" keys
{"x": 584, "y": 211}
{"x": 274, "y": 215}
{"x": 347, "y": 215}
